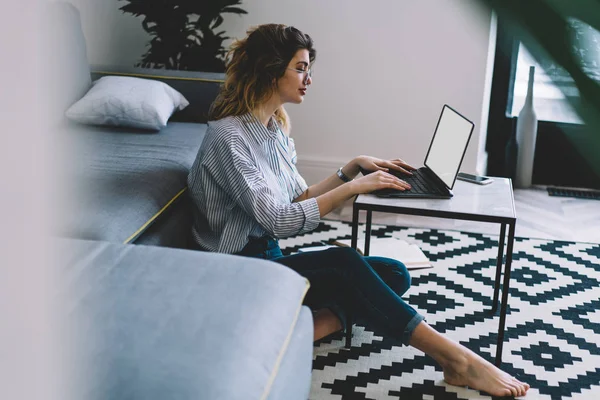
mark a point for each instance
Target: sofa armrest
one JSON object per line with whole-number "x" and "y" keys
{"x": 199, "y": 88}
{"x": 151, "y": 323}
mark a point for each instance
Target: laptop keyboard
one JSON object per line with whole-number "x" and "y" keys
{"x": 419, "y": 183}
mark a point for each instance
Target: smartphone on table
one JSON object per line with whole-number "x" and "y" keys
{"x": 480, "y": 180}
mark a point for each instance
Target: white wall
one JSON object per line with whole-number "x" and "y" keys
{"x": 384, "y": 69}
{"x": 113, "y": 38}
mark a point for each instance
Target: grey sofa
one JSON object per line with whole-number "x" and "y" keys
{"x": 149, "y": 318}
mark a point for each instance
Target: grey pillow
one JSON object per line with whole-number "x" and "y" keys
{"x": 127, "y": 101}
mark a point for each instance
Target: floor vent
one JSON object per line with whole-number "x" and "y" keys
{"x": 580, "y": 194}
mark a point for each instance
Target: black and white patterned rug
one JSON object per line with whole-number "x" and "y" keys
{"x": 552, "y": 328}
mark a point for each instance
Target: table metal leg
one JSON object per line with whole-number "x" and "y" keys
{"x": 354, "y": 241}
{"x": 349, "y": 330}
{"x": 353, "y": 244}
{"x": 505, "y": 290}
{"x": 368, "y": 233}
{"x": 499, "y": 267}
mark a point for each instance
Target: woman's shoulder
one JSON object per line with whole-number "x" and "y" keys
{"x": 225, "y": 129}
{"x": 231, "y": 123}
{"x": 226, "y": 134}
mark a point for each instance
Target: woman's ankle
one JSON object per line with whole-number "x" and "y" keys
{"x": 326, "y": 323}
{"x": 444, "y": 351}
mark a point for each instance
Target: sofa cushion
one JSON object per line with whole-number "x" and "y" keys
{"x": 120, "y": 181}
{"x": 158, "y": 323}
{"x": 199, "y": 88}
{"x": 129, "y": 102}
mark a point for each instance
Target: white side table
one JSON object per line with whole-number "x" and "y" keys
{"x": 484, "y": 203}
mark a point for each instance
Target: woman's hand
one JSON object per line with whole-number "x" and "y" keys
{"x": 377, "y": 180}
{"x": 376, "y": 164}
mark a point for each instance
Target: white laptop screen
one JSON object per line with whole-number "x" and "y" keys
{"x": 448, "y": 145}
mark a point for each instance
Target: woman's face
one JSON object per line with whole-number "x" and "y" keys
{"x": 293, "y": 84}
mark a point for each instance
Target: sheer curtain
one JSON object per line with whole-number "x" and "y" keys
{"x": 552, "y": 83}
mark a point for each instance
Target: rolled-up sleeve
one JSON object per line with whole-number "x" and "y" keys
{"x": 252, "y": 193}
{"x": 280, "y": 220}
{"x": 312, "y": 214}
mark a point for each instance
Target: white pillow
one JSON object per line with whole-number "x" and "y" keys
{"x": 126, "y": 101}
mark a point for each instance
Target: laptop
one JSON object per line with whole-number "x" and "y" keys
{"x": 445, "y": 155}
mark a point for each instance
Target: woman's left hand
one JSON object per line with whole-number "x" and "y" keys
{"x": 376, "y": 164}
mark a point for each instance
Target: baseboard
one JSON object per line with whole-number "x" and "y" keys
{"x": 315, "y": 169}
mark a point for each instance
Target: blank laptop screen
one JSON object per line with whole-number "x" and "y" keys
{"x": 448, "y": 145}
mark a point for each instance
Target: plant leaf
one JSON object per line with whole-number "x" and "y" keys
{"x": 234, "y": 10}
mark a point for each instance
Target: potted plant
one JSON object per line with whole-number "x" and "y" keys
{"x": 183, "y": 33}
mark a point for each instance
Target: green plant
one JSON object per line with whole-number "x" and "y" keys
{"x": 183, "y": 32}
{"x": 545, "y": 27}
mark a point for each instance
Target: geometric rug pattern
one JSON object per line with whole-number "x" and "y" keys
{"x": 552, "y": 337}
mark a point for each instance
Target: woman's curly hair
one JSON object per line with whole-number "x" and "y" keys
{"x": 255, "y": 65}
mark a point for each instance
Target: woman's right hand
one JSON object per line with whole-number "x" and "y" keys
{"x": 377, "y": 180}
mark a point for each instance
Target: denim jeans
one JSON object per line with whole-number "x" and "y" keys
{"x": 344, "y": 281}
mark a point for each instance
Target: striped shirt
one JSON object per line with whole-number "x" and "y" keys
{"x": 243, "y": 183}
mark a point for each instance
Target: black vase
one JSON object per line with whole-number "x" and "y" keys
{"x": 510, "y": 153}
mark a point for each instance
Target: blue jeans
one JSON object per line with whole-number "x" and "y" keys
{"x": 346, "y": 282}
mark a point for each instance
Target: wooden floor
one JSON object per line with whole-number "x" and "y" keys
{"x": 538, "y": 216}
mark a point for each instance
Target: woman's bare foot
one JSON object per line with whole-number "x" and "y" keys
{"x": 462, "y": 367}
{"x": 326, "y": 322}
{"x": 469, "y": 369}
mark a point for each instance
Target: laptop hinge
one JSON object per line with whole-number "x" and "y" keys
{"x": 435, "y": 178}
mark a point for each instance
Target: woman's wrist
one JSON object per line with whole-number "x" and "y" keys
{"x": 351, "y": 169}
{"x": 351, "y": 189}
{"x": 343, "y": 177}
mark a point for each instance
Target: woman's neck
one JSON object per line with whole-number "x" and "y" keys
{"x": 265, "y": 111}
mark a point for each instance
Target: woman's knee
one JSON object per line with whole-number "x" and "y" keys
{"x": 403, "y": 279}
{"x": 393, "y": 272}
{"x": 403, "y": 272}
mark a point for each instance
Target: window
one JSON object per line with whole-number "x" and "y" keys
{"x": 560, "y": 131}
{"x": 552, "y": 84}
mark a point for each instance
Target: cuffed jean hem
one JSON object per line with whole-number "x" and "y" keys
{"x": 410, "y": 328}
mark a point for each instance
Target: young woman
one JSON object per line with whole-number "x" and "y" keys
{"x": 247, "y": 193}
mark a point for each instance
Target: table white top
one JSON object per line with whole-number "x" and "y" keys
{"x": 493, "y": 200}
